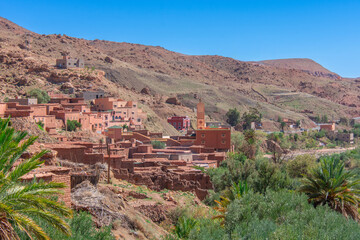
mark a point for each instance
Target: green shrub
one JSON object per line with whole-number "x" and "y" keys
{"x": 286, "y": 215}
{"x": 72, "y": 125}
{"x": 233, "y": 117}
{"x": 158, "y": 145}
{"x": 300, "y": 165}
{"x": 41, "y": 95}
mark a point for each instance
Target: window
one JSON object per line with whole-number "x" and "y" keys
{"x": 139, "y": 119}
{"x": 134, "y": 105}
{"x": 223, "y": 142}
{"x": 223, "y": 135}
{"x": 179, "y": 127}
{"x": 203, "y": 135}
{"x": 202, "y": 142}
{"x": 133, "y": 113}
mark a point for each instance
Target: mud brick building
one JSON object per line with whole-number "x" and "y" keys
{"x": 216, "y": 138}
{"x": 24, "y": 101}
{"x": 89, "y": 95}
{"x": 180, "y": 123}
{"x": 68, "y": 62}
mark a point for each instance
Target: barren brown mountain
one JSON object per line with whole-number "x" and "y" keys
{"x": 292, "y": 88}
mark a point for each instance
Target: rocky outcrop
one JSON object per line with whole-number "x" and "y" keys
{"x": 173, "y": 100}
{"x": 145, "y": 91}
{"x": 108, "y": 207}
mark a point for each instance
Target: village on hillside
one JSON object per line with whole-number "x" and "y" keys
{"x": 95, "y": 137}
{"x": 133, "y": 153}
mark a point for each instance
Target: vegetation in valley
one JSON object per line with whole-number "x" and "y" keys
{"x": 256, "y": 198}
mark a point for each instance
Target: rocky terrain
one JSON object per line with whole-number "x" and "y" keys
{"x": 168, "y": 83}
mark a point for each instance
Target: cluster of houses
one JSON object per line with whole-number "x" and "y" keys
{"x": 127, "y": 147}
{"x": 132, "y": 155}
{"x": 96, "y": 113}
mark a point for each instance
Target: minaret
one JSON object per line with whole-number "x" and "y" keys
{"x": 200, "y": 115}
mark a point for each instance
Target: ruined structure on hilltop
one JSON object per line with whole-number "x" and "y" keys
{"x": 68, "y": 62}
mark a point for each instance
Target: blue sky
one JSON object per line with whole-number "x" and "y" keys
{"x": 326, "y": 31}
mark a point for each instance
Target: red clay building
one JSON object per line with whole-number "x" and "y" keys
{"x": 327, "y": 126}
{"x": 216, "y": 138}
{"x": 180, "y": 123}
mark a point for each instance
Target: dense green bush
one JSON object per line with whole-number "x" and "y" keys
{"x": 233, "y": 117}
{"x": 41, "y": 95}
{"x": 72, "y": 125}
{"x": 286, "y": 215}
{"x": 277, "y": 215}
{"x": 261, "y": 174}
{"x": 300, "y": 165}
{"x": 158, "y": 144}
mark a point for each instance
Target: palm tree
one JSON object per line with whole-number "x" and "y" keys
{"x": 332, "y": 184}
{"x": 237, "y": 191}
{"x": 249, "y": 146}
{"x": 23, "y": 204}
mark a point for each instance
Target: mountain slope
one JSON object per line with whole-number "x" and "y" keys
{"x": 288, "y": 88}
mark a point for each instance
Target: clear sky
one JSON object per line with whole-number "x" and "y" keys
{"x": 326, "y": 31}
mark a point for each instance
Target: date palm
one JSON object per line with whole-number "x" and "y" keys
{"x": 23, "y": 204}
{"x": 331, "y": 184}
{"x": 237, "y": 191}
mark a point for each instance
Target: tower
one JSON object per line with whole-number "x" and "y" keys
{"x": 200, "y": 115}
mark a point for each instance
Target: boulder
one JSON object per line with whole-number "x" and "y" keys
{"x": 67, "y": 85}
{"x": 173, "y": 100}
{"x": 108, "y": 60}
{"x": 145, "y": 91}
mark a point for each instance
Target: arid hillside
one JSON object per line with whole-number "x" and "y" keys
{"x": 292, "y": 88}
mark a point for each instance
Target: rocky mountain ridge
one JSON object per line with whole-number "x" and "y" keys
{"x": 291, "y": 88}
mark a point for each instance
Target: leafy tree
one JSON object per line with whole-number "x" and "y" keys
{"x": 344, "y": 121}
{"x": 72, "y": 125}
{"x": 125, "y": 127}
{"x": 317, "y": 119}
{"x": 249, "y": 146}
{"x": 296, "y": 137}
{"x": 252, "y": 116}
{"x": 282, "y": 125}
{"x": 330, "y": 184}
{"x": 280, "y": 119}
{"x": 41, "y": 95}
{"x": 237, "y": 191}
{"x": 158, "y": 144}
{"x": 320, "y": 134}
{"x": 300, "y": 165}
{"x": 23, "y": 203}
{"x": 237, "y": 139}
{"x": 324, "y": 119}
{"x": 298, "y": 123}
{"x": 268, "y": 175}
{"x": 233, "y": 117}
